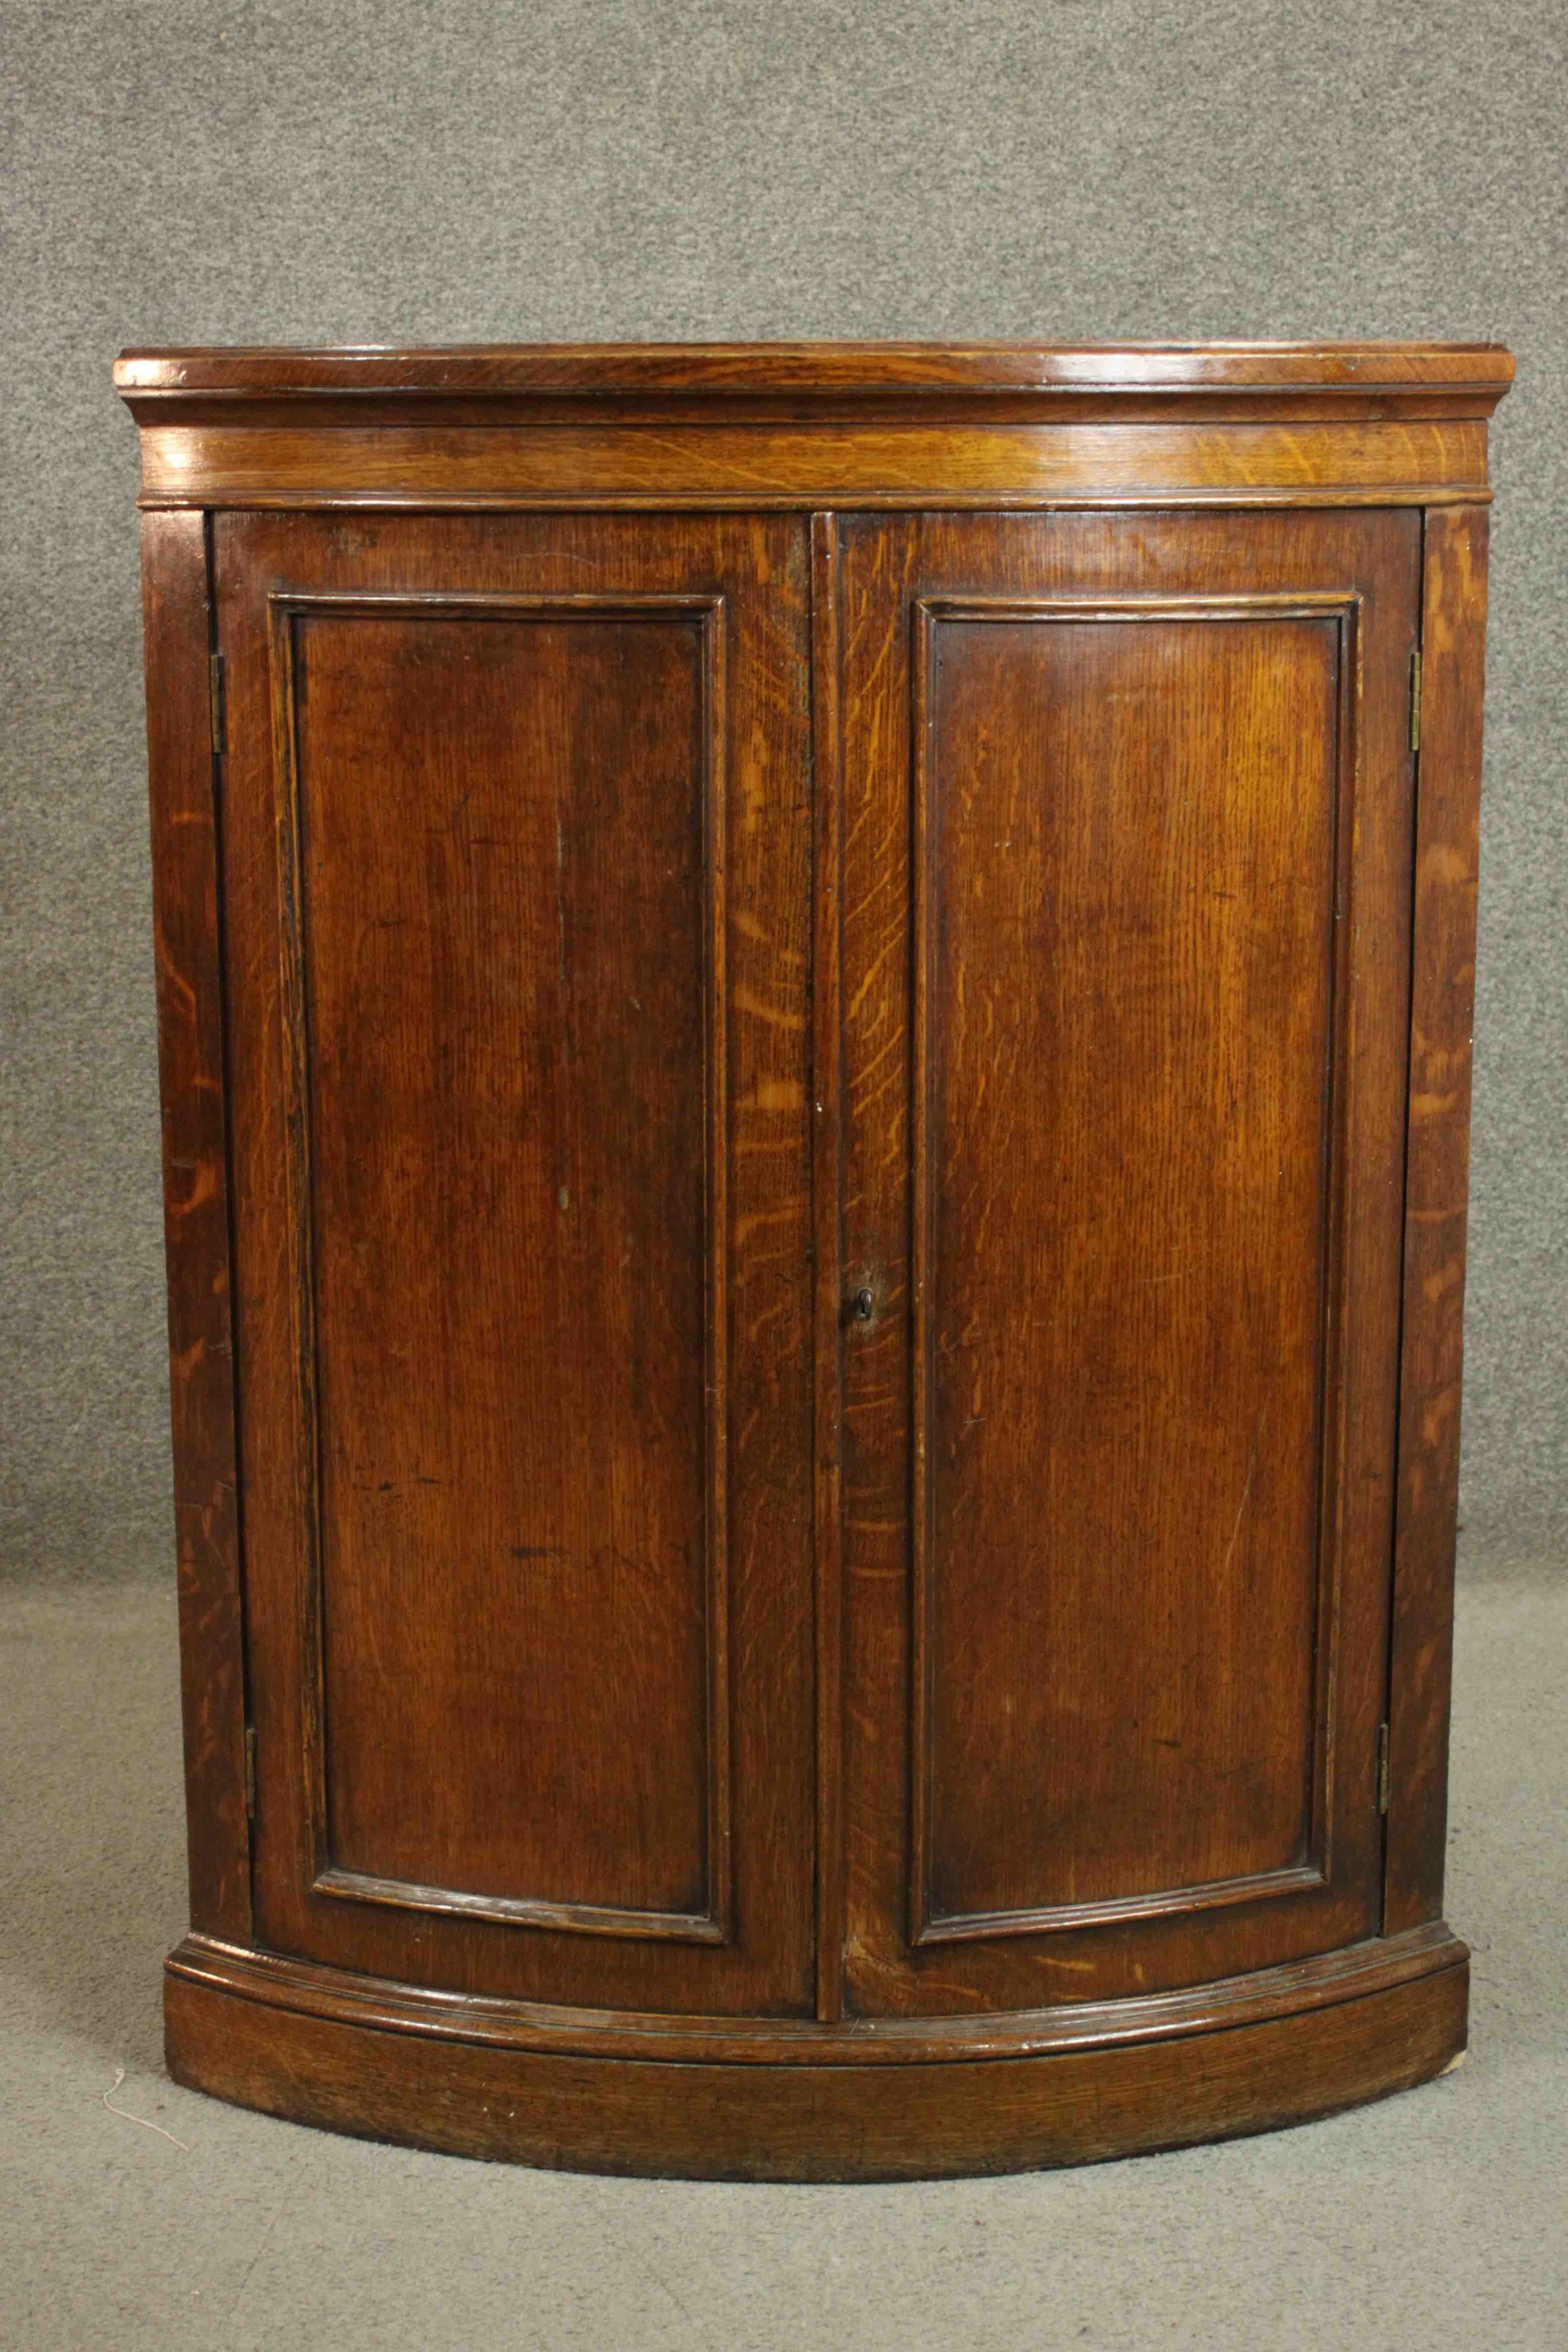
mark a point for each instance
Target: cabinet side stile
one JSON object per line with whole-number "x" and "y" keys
{"x": 184, "y": 793}
{"x": 1448, "y": 776}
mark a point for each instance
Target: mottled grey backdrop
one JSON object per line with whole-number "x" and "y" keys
{"x": 384, "y": 171}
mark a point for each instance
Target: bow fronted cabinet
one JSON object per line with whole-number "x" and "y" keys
{"x": 816, "y": 1018}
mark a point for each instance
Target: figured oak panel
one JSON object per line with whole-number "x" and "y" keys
{"x": 1126, "y": 893}
{"x": 519, "y": 880}
{"x": 503, "y": 864}
{"x": 1125, "y": 934}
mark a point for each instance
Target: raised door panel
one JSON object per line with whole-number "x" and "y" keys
{"x": 517, "y": 851}
{"x": 1127, "y": 883}
{"x": 504, "y": 988}
{"x": 1123, "y": 1075}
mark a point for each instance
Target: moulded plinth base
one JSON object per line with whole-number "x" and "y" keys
{"x": 896, "y": 2101}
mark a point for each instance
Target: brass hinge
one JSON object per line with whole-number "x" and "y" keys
{"x": 1416, "y": 702}
{"x": 250, "y": 1770}
{"x": 216, "y": 706}
{"x": 1383, "y": 1767}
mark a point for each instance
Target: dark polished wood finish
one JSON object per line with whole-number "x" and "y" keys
{"x": 821, "y": 1004}
{"x": 1146, "y": 1231}
{"x": 1396, "y": 373}
{"x": 519, "y": 890}
{"x": 822, "y": 425}
{"x": 1437, "y": 1193}
{"x": 188, "y": 942}
{"x": 904, "y": 2120}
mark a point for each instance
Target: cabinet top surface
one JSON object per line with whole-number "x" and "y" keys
{"x": 821, "y": 371}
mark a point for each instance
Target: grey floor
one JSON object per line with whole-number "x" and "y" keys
{"x": 1440, "y": 2217}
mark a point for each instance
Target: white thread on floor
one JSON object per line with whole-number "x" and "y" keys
{"x": 130, "y": 2119}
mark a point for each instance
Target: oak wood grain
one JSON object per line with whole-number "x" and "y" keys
{"x": 1437, "y": 1186}
{"x": 814, "y": 1045}
{"x": 525, "y": 1141}
{"x": 1004, "y": 1047}
{"x": 858, "y": 370}
{"x": 827, "y": 1211}
{"x": 907, "y": 2122}
{"x": 1123, "y": 1087}
{"x": 1318, "y": 1981}
{"x": 189, "y": 949}
{"x": 334, "y": 458}
{"x": 815, "y": 426}
{"x": 513, "y": 1125}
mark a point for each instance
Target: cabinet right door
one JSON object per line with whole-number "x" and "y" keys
{"x": 1127, "y": 842}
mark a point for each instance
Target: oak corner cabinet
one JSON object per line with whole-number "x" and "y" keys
{"x": 815, "y": 1009}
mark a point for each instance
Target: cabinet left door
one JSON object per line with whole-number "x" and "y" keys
{"x": 516, "y": 910}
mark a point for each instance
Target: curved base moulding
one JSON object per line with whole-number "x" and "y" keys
{"x": 903, "y": 2100}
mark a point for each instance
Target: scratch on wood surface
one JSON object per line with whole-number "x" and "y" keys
{"x": 1247, "y": 1488}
